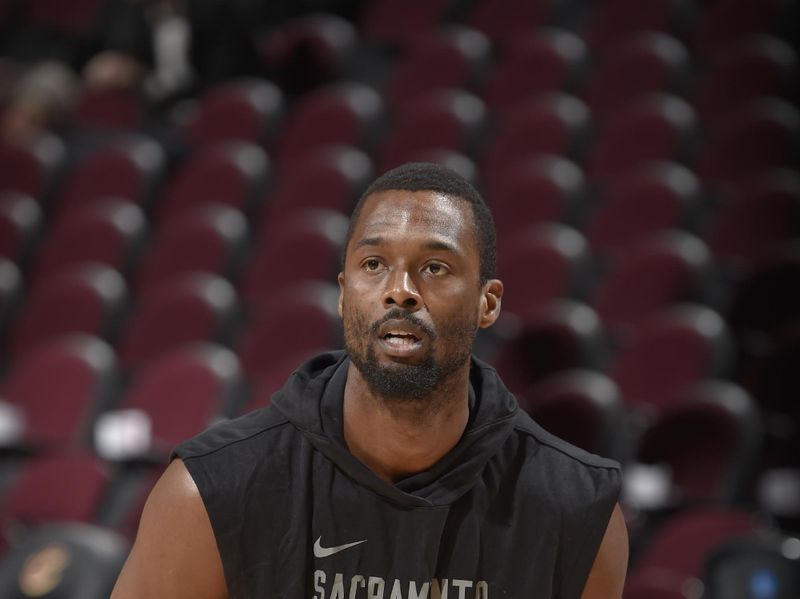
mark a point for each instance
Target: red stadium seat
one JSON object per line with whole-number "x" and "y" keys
{"x": 81, "y": 19}
{"x": 549, "y": 338}
{"x": 20, "y": 226}
{"x": 549, "y": 124}
{"x": 314, "y": 238}
{"x": 537, "y": 190}
{"x": 342, "y": 114}
{"x": 453, "y": 57}
{"x": 86, "y": 298}
{"x": 245, "y": 110}
{"x": 646, "y": 63}
{"x": 231, "y": 173}
{"x": 184, "y": 392}
{"x": 330, "y": 177}
{"x": 613, "y": 20}
{"x": 708, "y": 437}
{"x": 669, "y": 351}
{"x": 667, "y": 267}
{"x": 757, "y": 136}
{"x": 759, "y": 215}
{"x": 10, "y": 296}
{"x": 126, "y": 169}
{"x": 297, "y": 320}
{"x": 190, "y": 308}
{"x": 444, "y": 119}
{"x": 537, "y": 62}
{"x": 503, "y": 19}
{"x": 542, "y": 263}
{"x": 210, "y": 238}
{"x": 31, "y": 168}
{"x": 109, "y": 110}
{"x": 307, "y": 51}
{"x": 722, "y": 23}
{"x": 756, "y": 66}
{"x": 391, "y": 23}
{"x": 108, "y": 233}
{"x": 58, "y": 388}
{"x": 581, "y": 406}
{"x": 648, "y": 128}
{"x": 653, "y": 198}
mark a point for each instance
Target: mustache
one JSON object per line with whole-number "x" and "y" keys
{"x": 398, "y": 314}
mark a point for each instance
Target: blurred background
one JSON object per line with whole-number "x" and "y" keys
{"x": 175, "y": 180}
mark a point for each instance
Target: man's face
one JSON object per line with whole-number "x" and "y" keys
{"x": 410, "y": 294}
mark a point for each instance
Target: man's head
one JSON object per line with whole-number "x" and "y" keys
{"x": 425, "y": 176}
{"x": 416, "y": 280}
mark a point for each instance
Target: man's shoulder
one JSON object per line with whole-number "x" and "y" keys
{"x": 547, "y": 445}
{"x": 229, "y": 435}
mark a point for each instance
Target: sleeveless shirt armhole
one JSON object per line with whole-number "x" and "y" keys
{"x": 594, "y": 523}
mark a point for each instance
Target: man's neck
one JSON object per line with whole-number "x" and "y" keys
{"x": 397, "y": 438}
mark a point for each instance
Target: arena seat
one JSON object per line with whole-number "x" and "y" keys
{"x": 549, "y": 124}
{"x": 107, "y": 233}
{"x": 32, "y": 167}
{"x": 753, "y": 67}
{"x": 539, "y": 189}
{"x": 345, "y": 113}
{"x": 637, "y": 204}
{"x": 109, "y": 110}
{"x": 246, "y": 110}
{"x": 10, "y": 297}
{"x": 193, "y": 307}
{"x": 21, "y": 223}
{"x": 760, "y": 214}
{"x": 759, "y": 135}
{"x": 673, "y": 348}
{"x": 79, "y": 371}
{"x": 314, "y": 239}
{"x": 614, "y": 20}
{"x": 555, "y": 336}
{"x": 85, "y": 298}
{"x": 581, "y": 406}
{"x": 307, "y": 51}
{"x": 541, "y": 263}
{"x": 232, "y": 173}
{"x": 449, "y": 119}
{"x": 36, "y": 493}
{"x": 708, "y": 435}
{"x": 127, "y": 168}
{"x": 330, "y": 177}
{"x": 183, "y": 392}
{"x": 645, "y": 63}
{"x": 648, "y": 128}
{"x": 83, "y": 561}
{"x": 502, "y": 19}
{"x": 453, "y": 57}
{"x": 535, "y": 62}
{"x": 210, "y": 238}
{"x": 391, "y": 23}
{"x": 722, "y": 23}
{"x": 666, "y": 267}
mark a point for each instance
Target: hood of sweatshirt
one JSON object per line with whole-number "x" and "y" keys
{"x": 311, "y": 400}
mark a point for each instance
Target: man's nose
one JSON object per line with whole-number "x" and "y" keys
{"x": 401, "y": 292}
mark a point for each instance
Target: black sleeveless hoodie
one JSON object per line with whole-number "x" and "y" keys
{"x": 511, "y": 511}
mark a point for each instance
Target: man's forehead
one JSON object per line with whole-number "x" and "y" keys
{"x": 401, "y": 208}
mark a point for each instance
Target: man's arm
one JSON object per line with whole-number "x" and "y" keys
{"x": 607, "y": 576}
{"x": 175, "y": 554}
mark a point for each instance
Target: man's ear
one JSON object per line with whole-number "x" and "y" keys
{"x": 491, "y": 298}
{"x": 340, "y": 278}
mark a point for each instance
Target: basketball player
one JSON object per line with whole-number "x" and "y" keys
{"x": 400, "y": 468}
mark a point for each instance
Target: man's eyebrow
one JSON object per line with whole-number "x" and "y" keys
{"x": 370, "y": 241}
{"x": 431, "y": 245}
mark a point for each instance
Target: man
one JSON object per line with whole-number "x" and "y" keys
{"x": 401, "y": 469}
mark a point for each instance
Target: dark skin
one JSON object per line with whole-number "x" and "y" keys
{"x": 415, "y": 251}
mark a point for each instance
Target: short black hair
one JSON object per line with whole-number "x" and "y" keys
{"x": 427, "y": 176}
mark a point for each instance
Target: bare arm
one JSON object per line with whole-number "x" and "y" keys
{"x": 175, "y": 554}
{"x": 607, "y": 576}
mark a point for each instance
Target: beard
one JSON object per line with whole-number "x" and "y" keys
{"x": 397, "y": 381}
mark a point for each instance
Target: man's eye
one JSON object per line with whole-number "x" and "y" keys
{"x": 435, "y": 269}
{"x": 372, "y": 265}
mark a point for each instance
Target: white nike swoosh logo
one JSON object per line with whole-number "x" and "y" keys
{"x": 320, "y": 551}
